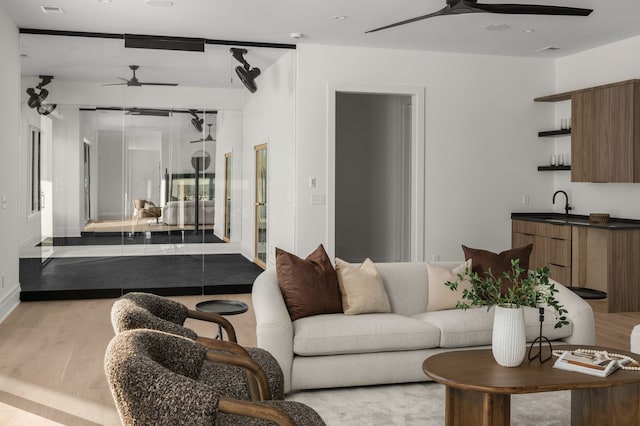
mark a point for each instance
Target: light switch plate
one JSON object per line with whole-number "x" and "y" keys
{"x": 317, "y": 199}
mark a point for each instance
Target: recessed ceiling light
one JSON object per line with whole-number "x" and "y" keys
{"x": 528, "y": 30}
{"x": 104, "y": 1}
{"x": 551, "y": 48}
{"x": 496, "y": 27}
{"x": 52, "y": 10}
{"x": 295, "y": 35}
{"x": 159, "y": 3}
{"x": 340, "y": 17}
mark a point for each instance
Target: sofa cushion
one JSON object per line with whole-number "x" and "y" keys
{"x": 499, "y": 263}
{"x": 348, "y": 334}
{"x": 442, "y": 297}
{"x": 474, "y": 327}
{"x": 309, "y": 286}
{"x": 362, "y": 288}
{"x": 406, "y": 285}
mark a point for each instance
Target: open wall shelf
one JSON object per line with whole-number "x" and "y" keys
{"x": 552, "y": 133}
{"x": 552, "y": 168}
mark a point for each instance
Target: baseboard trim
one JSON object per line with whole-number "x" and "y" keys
{"x": 39, "y": 296}
{"x": 114, "y": 293}
{"x": 9, "y": 303}
{"x": 228, "y": 289}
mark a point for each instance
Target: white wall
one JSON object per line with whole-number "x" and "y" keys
{"x": 68, "y": 173}
{"x": 482, "y": 149}
{"x": 269, "y": 117}
{"x": 9, "y": 166}
{"x": 606, "y": 64}
{"x": 28, "y": 224}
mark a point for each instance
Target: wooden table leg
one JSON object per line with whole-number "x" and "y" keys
{"x": 465, "y": 407}
{"x": 616, "y": 405}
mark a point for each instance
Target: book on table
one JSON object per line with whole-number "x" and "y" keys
{"x": 594, "y": 364}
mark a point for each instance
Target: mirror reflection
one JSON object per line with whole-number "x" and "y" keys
{"x": 127, "y": 191}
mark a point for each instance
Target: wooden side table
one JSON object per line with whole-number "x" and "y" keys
{"x": 478, "y": 390}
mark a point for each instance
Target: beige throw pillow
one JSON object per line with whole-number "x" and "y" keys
{"x": 442, "y": 297}
{"x": 362, "y": 288}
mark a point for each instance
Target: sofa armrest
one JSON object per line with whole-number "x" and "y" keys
{"x": 274, "y": 329}
{"x": 580, "y": 314}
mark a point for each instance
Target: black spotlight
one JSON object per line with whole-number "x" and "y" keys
{"x": 196, "y": 121}
{"x": 46, "y": 109}
{"x": 247, "y": 74}
{"x": 36, "y": 99}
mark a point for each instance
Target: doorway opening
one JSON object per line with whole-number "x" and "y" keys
{"x": 377, "y": 155}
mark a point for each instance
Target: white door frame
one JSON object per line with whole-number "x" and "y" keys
{"x": 417, "y": 157}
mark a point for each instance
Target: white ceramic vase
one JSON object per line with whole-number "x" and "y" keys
{"x": 509, "y": 343}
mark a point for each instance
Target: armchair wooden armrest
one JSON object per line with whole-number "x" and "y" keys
{"x": 244, "y": 408}
{"x": 223, "y": 345}
{"x": 216, "y": 318}
{"x": 256, "y": 377}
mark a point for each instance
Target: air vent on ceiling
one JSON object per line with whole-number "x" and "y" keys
{"x": 548, "y": 48}
{"x": 52, "y": 10}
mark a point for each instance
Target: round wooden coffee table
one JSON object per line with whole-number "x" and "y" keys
{"x": 478, "y": 390}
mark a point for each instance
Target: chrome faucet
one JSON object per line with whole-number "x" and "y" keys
{"x": 567, "y": 207}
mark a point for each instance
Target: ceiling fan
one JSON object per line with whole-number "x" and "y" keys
{"x": 455, "y": 7}
{"x": 209, "y": 138}
{"x": 134, "y": 82}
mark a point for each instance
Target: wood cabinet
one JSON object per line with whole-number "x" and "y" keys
{"x": 551, "y": 246}
{"x": 604, "y": 136}
{"x": 607, "y": 260}
{"x": 605, "y": 132}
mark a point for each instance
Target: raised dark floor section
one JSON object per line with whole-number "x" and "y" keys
{"x": 108, "y": 277}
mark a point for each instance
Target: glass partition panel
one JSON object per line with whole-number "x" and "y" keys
{"x": 132, "y": 187}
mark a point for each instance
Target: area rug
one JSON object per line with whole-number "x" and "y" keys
{"x": 422, "y": 404}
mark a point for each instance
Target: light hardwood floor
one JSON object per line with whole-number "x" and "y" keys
{"x": 51, "y": 357}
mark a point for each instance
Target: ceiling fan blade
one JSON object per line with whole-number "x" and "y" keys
{"x": 443, "y": 11}
{"x": 122, "y": 78}
{"x": 197, "y": 141}
{"x": 114, "y": 84}
{"x": 533, "y": 9}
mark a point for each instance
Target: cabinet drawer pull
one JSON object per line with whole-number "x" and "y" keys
{"x": 557, "y": 264}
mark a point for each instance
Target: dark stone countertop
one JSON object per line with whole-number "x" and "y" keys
{"x": 576, "y": 220}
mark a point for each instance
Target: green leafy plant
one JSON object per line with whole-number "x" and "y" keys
{"x": 530, "y": 288}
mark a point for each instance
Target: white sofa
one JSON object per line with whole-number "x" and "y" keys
{"x": 337, "y": 350}
{"x": 184, "y": 212}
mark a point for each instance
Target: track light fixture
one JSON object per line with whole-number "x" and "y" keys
{"x": 247, "y": 74}
{"x": 196, "y": 121}
{"x": 36, "y": 99}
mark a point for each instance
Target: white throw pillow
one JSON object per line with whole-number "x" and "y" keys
{"x": 440, "y": 296}
{"x": 362, "y": 288}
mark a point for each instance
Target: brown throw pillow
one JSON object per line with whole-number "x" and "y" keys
{"x": 482, "y": 260}
{"x": 309, "y": 286}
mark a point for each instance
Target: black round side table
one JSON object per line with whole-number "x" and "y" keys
{"x": 222, "y": 307}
